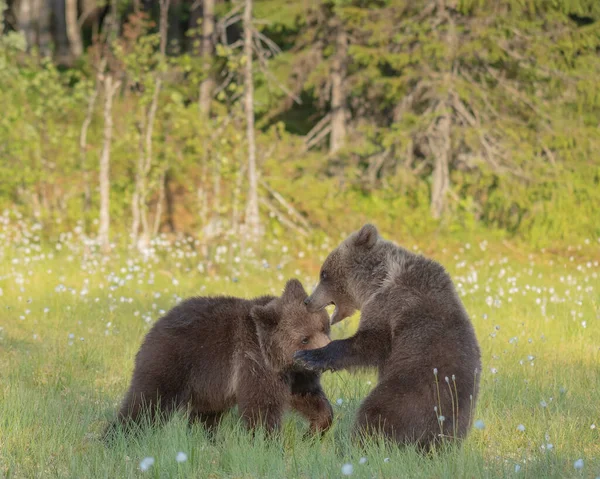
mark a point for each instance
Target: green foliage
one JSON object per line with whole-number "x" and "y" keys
{"x": 520, "y": 83}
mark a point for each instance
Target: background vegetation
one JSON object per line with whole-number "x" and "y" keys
{"x": 423, "y": 116}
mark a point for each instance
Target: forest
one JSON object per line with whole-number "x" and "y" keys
{"x": 220, "y": 118}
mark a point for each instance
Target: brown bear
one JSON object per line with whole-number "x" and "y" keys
{"x": 210, "y": 353}
{"x": 413, "y": 328}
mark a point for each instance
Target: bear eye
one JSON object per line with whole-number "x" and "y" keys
{"x": 323, "y": 275}
{"x": 305, "y": 340}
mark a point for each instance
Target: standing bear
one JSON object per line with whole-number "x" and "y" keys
{"x": 210, "y": 353}
{"x": 413, "y": 328}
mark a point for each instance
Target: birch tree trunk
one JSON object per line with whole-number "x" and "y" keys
{"x": 139, "y": 205}
{"x": 110, "y": 88}
{"x": 252, "y": 216}
{"x": 87, "y": 196}
{"x": 338, "y": 94}
{"x": 207, "y": 49}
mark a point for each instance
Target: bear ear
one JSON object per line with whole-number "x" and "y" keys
{"x": 294, "y": 290}
{"x": 366, "y": 236}
{"x": 264, "y": 315}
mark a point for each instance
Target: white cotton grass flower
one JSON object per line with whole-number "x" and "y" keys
{"x": 347, "y": 469}
{"x": 578, "y": 464}
{"x": 181, "y": 457}
{"x": 146, "y": 463}
{"x": 521, "y": 428}
{"x": 517, "y": 467}
{"x": 543, "y": 403}
{"x": 479, "y": 425}
{"x": 362, "y": 460}
{"x": 339, "y": 401}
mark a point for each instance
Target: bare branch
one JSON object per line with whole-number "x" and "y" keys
{"x": 271, "y": 45}
{"x": 318, "y": 138}
{"x": 222, "y": 25}
{"x": 280, "y": 85}
{"x": 282, "y": 218}
{"x": 315, "y": 129}
{"x": 225, "y": 84}
{"x": 290, "y": 209}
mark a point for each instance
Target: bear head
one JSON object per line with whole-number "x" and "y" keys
{"x": 345, "y": 273}
{"x": 285, "y": 326}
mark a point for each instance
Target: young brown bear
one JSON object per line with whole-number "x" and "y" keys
{"x": 210, "y": 353}
{"x": 413, "y": 328}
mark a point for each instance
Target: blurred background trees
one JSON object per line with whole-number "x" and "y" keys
{"x": 219, "y": 117}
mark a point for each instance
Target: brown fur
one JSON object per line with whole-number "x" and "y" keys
{"x": 412, "y": 321}
{"x": 210, "y": 353}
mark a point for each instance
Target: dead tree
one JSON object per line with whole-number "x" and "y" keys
{"x": 83, "y": 134}
{"x": 139, "y": 200}
{"x": 441, "y": 148}
{"x": 207, "y": 50}
{"x": 252, "y": 216}
{"x": 110, "y": 88}
{"x": 338, "y": 94}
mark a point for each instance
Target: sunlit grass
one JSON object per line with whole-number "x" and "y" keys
{"x": 72, "y": 323}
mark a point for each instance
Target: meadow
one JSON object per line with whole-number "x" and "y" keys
{"x": 72, "y": 319}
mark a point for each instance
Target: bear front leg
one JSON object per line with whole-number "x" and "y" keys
{"x": 367, "y": 348}
{"x": 308, "y": 398}
{"x": 267, "y": 416}
{"x": 261, "y": 397}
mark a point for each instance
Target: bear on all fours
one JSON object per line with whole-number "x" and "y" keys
{"x": 413, "y": 328}
{"x": 210, "y": 353}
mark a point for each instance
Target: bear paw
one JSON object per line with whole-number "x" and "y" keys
{"x": 312, "y": 360}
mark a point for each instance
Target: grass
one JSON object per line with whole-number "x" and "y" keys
{"x": 71, "y": 323}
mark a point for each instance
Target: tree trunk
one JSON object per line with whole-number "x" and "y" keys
{"x": 3, "y": 6}
{"x": 139, "y": 206}
{"x": 25, "y": 21}
{"x": 440, "y": 143}
{"x": 208, "y": 49}
{"x": 62, "y": 54}
{"x": 159, "y": 203}
{"x": 169, "y": 202}
{"x": 87, "y": 195}
{"x": 73, "y": 30}
{"x": 441, "y": 149}
{"x": 252, "y": 216}
{"x": 44, "y": 34}
{"x": 110, "y": 88}
{"x": 135, "y": 200}
{"x": 338, "y": 94}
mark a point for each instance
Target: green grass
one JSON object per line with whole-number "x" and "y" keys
{"x": 57, "y": 392}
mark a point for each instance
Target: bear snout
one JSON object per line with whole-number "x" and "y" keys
{"x": 321, "y": 340}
